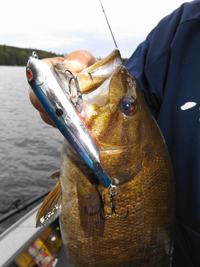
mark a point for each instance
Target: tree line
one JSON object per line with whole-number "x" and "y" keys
{"x": 15, "y": 56}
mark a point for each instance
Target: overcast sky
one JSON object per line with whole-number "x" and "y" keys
{"x": 63, "y": 26}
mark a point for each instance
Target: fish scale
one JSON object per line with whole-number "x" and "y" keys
{"x": 133, "y": 153}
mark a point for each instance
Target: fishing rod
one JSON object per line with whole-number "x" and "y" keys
{"x": 108, "y": 25}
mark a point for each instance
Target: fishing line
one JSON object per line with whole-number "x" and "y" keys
{"x": 127, "y": 40}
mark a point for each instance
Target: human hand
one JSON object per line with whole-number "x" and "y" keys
{"x": 76, "y": 62}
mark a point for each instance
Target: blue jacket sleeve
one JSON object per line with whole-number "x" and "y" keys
{"x": 150, "y": 62}
{"x": 167, "y": 66}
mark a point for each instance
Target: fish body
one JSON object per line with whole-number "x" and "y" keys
{"x": 133, "y": 153}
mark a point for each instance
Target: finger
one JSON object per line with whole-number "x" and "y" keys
{"x": 38, "y": 106}
{"x": 75, "y": 61}
{"x": 85, "y": 58}
{"x": 46, "y": 119}
{"x": 73, "y": 65}
{"x": 35, "y": 101}
{"x": 79, "y": 60}
{"x": 51, "y": 61}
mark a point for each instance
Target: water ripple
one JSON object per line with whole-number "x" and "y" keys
{"x": 30, "y": 149}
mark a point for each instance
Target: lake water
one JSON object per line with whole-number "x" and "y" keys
{"x": 29, "y": 148}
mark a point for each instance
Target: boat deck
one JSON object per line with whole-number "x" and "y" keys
{"x": 19, "y": 236}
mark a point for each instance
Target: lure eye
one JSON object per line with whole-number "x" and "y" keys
{"x": 127, "y": 105}
{"x": 29, "y": 74}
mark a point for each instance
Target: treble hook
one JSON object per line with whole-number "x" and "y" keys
{"x": 78, "y": 99}
{"x": 112, "y": 203}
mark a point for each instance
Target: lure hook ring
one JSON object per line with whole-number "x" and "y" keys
{"x": 112, "y": 203}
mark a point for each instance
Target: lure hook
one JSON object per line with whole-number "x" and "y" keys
{"x": 78, "y": 99}
{"x": 112, "y": 203}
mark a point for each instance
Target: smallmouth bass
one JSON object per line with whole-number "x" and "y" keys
{"x": 133, "y": 153}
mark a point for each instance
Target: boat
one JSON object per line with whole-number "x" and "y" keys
{"x": 22, "y": 244}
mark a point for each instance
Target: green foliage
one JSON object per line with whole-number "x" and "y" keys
{"x": 124, "y": 60}
{"x": 14, "y": 56}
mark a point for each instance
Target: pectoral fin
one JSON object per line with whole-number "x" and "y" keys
{"x": 90, "y": 209}
{"x": 51, "y": 207}
{"x": 56, "y": 175}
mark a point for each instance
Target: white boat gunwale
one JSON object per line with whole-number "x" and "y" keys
{"x": 17, "y": 237}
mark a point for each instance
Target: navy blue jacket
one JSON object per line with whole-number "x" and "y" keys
{"x": 167, "y": 66}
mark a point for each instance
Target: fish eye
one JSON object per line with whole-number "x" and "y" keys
{"x": 127, "y": 105}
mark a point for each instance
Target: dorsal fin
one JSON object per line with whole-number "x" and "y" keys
{"x": 56, "y": 175}
{"x": 51, "y": 207}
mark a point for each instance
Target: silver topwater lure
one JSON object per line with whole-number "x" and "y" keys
{"x": 64, "y": 113}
